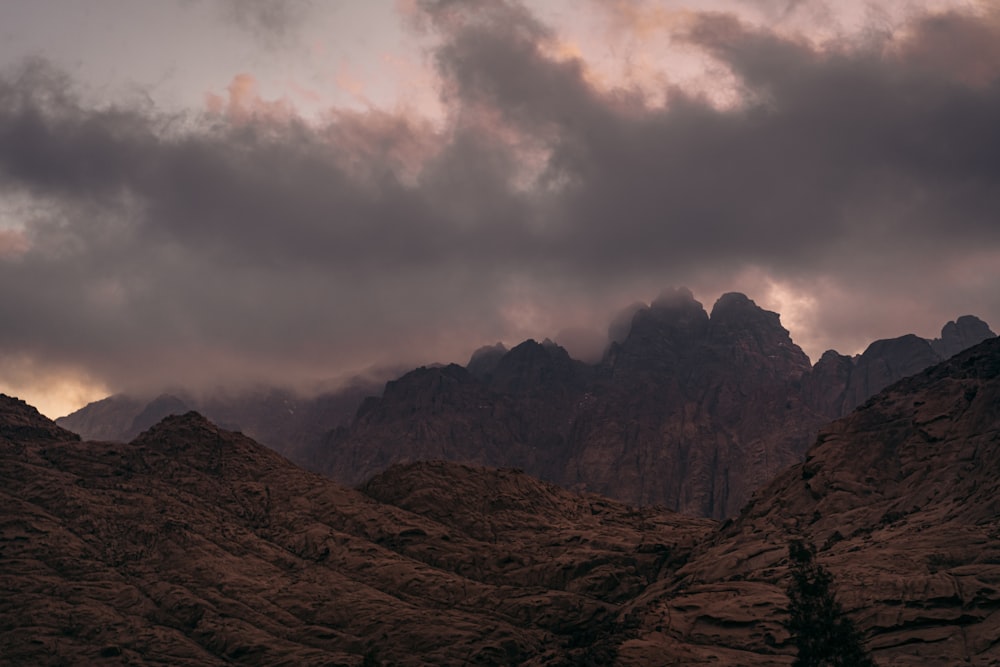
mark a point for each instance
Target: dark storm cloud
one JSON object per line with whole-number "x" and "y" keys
{"x": 207, "y": 249}
{"x": 846, "y": 163}
{"x": 832, "y": 147}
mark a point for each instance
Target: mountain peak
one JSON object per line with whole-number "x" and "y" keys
{"x": 735, "y": 306}
{"x": 187, "y": 424}
{"x": 485, "y": 359}
{"x": 960, "y": 334}
{"x": 675, "y": 298}
{"x": 20, "y": 421}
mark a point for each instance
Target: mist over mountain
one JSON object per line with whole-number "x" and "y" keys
{"x": 193, "y": 545}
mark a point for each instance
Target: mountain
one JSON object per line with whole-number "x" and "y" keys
{"x": 903, "y": 499}
{"x": 195, "y": 545}
{"x": 838, "y": 384}
{"x": 289, "y": 423}
{"x": 689, "y": 410}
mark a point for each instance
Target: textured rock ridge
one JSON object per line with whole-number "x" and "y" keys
{"x": 21, "y": 423}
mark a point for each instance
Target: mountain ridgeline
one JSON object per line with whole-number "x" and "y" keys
{"x": 689, "y": 410}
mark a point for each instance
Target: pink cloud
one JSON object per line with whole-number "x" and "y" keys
{"x": 13, "y": 243}
{"x": 243, "y": 103}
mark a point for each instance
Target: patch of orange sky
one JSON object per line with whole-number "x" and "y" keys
{"x": 54, "y": 392}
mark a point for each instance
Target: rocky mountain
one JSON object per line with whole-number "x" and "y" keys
{"x": 838, "y": 383}
{"x": 287, "y": 422}
{"x": 194, "y": 545}
{"x": 690, "y": 410}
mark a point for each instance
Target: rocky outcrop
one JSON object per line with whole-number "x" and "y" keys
{"x": 902, "y": 499}
{"x": 21, "y": 423}
{"x": 193, "y": 545}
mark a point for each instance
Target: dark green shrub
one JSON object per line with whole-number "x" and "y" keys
{"x": 823, "y": 634}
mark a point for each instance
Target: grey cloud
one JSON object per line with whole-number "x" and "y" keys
{"x": 171, "y": 250}
{"x": 273, "y": 22}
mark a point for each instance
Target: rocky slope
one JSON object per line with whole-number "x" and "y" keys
{"x": 193, "y": 545}
{"x": 903, "y": 499}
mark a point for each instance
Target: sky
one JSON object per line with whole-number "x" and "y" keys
{"x": 227, "y": 193}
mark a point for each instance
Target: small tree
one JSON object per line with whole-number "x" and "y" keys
{"x": 823, "y": 634}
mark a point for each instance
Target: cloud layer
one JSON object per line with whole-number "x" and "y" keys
{"x": 854, "y": 186}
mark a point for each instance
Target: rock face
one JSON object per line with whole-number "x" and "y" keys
{"x": 695, "y": 411}
{"x": 903, "y": 499}
{"x": 193, "y": 545}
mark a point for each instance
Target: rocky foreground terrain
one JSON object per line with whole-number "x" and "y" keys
{"x": 195, "y": 545}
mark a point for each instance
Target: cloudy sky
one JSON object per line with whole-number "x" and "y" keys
{"x": 215, "y": 192}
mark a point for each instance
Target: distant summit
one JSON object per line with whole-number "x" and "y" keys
{"x": 963, "y": 333}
